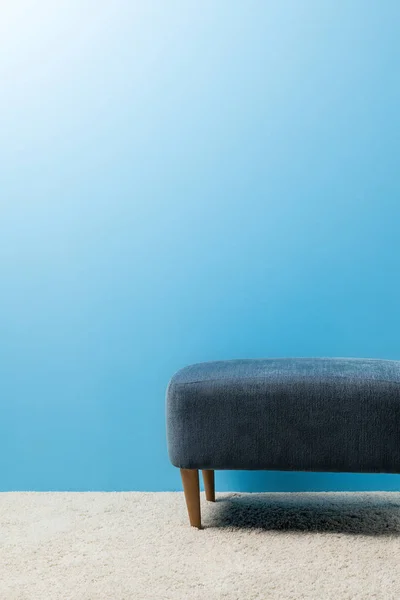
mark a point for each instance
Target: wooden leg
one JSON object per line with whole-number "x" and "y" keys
{"x": 191, "y": 487}
{"x": 209, "y": 485}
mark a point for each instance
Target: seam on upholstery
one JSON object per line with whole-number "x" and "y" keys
{"x": 238, "y": 379}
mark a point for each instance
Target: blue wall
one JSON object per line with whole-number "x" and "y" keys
{"x": 186, "y": 181}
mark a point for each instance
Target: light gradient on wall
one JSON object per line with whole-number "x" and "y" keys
{"x": 179, "y": 182}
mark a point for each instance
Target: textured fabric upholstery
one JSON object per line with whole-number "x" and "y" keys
{"x": 306, "y": 414}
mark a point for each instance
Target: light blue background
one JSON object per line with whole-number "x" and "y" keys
{"x": 186, "y": 181}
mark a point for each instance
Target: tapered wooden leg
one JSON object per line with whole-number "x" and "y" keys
{"x": 191, "y": 487}
{"x": 209, "y": 485}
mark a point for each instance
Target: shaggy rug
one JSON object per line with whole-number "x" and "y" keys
{"x": 122, "y": 546}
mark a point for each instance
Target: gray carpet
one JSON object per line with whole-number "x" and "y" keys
{"x": 95, "y": 546}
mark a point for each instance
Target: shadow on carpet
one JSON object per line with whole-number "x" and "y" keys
{"x": 372, "y": 514}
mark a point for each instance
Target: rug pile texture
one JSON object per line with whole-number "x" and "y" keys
{"x": 122, "y": 546}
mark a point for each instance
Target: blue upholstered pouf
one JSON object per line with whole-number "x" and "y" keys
{"x": 322, "y": 414}
{"x": 305, "y": 414}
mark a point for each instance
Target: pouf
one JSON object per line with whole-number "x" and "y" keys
{"x": 303, "y": 414}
